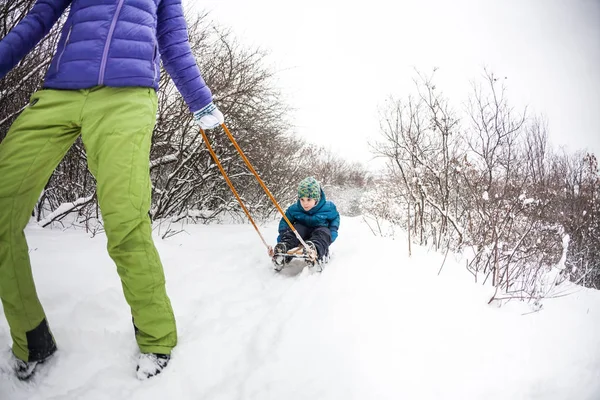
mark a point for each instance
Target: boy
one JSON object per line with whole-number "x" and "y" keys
{"x": 102, "y": 85}
{"x": 316, "y": 220}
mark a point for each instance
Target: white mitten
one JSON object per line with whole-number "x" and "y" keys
{"x": 208, "y": 117}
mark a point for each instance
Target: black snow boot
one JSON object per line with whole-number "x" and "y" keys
{"x": 312, "y": 253}
{"x": 151, "y": 364}
{"x": 278, "y": 258}
{"x": 320, "y": 259}
{"x": 24, "y": 370}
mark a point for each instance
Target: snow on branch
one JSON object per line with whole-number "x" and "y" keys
{"x": 169, "y": 158}
{"x": 65, "y": 209}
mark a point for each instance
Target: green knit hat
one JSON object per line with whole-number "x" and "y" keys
{"x": 310, "y": 188}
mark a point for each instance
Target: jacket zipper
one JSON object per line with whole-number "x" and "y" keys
{"x": 108, "y": 41}
{"x": 63, "y": 49}
{"x": 154, "y": 55}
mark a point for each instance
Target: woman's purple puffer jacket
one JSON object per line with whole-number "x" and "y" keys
{"x": 113, "y": 43}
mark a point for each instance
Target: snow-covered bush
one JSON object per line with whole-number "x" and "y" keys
{"x": 383, "y": 209}
{"x": 348, "y": 199}
{"x": 489, "y": 183}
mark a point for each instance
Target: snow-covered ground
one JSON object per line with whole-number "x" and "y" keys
{"x": 374, "y": 325}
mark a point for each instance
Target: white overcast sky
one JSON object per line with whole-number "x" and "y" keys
{"x": 338, "y": 61}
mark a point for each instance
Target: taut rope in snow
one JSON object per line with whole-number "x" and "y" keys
{"x": 260, "y": 181}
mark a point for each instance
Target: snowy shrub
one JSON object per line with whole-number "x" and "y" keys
{"x": 382, "y": 210}
{"x": 492, "y": 185}
{"x": 348, "y": 200}
{"x": 581, "y": 218}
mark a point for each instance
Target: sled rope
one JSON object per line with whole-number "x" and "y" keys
{"x": 237, "y": 196}
{"x": 262, "y": 184}
{"x": 260, "y": 181}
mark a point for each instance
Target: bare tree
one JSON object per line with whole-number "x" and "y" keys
{"x": 186, "y": 179}
{"x": 422, "y": 145}
{"x": 580, "y": 215}
{"x": 490, "y": 184}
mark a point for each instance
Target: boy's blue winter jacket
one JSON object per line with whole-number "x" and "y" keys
{"x": 323, "y": 214}
{"x": 112, "y": 43}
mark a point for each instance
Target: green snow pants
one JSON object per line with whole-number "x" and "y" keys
{"x": 116, "y": 127}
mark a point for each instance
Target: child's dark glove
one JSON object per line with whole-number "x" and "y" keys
{"x": 334, "y": 235}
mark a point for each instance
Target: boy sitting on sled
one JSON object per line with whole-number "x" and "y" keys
{"x": 315, "y": 219}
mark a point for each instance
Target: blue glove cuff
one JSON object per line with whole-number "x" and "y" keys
{"x": 207, "y": 109}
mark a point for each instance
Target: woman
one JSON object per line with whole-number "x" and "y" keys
{"x": 102, "y": 85}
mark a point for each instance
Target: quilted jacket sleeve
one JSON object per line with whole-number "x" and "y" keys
{"x": 177, "y": 57}
{"x": 23, "y": 37}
